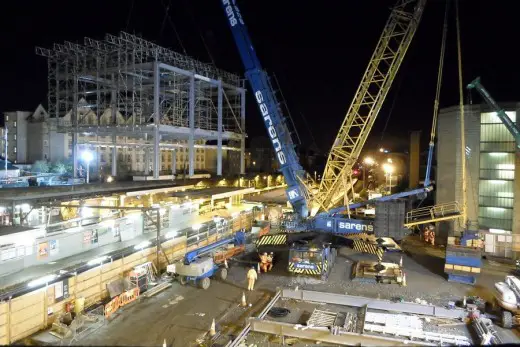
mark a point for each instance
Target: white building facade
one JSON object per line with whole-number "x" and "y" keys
{"x": 34, "y": 136}
{"x": 492, "y": 181}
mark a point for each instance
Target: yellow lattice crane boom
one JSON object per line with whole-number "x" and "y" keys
{"x": 371, "y": 93}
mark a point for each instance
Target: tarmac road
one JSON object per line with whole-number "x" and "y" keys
{"x": 180, "y": 315}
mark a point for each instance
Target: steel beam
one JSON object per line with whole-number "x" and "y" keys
{"x": 324, "y": 335}
{"x": 373, "y": 304}
{"x": 241, "y": 336}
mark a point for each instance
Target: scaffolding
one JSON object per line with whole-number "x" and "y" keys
{"x": 124, "y": 87}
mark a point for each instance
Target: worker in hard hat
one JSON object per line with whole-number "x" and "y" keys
{"x": 251, "y": 278}
{"x": 270, "y": 258}
{"x": 264, "y": 262}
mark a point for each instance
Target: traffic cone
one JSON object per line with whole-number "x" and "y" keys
{"x": 244, "y": 302}
{"x": 164, "y": 343}
{"x": 225, "y": 264}
{"x": 401, "y": 261}
{"x": 212, "y": 331}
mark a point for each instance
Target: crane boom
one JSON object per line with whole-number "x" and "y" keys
{"x": 274, "y": 120}
{"x": 375, "y": 84}
{"x": 501, "y": 114}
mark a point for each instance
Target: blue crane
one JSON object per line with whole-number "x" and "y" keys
{"x": 279, "y": 134}
{"x": 274, "y": 120}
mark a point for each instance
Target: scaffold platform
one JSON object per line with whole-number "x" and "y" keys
{"x": 433, "y": 214}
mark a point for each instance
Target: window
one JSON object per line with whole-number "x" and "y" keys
{"x": 15, "y": 136}
{"x": 15, "y": 124}
{"x": 7, "y": 118}
{"x": 14, "y": 149}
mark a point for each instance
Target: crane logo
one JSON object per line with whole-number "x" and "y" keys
{"x": 270, "y": 128}
{"x": 293, "y": 194}
{"x": 232, "y": 12}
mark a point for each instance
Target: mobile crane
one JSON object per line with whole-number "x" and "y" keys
{"x": 377, "y": 80}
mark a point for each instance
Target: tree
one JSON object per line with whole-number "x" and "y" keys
{"x": 40, "y": 166}
{"x": 62, "y": 167}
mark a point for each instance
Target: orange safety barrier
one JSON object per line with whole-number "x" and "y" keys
{"x": 121, "y": 300}
{"x": 221, "y": 256}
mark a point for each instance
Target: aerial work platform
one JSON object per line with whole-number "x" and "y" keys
{"x": 432, "y": 214}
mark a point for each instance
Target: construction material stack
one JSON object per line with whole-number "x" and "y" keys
{"x": 390, "y": 218}
{"x": 463, "y": 258}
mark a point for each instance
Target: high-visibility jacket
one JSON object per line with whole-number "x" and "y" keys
{"x": 251, "y": 274}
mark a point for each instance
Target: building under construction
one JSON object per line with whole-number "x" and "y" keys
{"x": 128, "y": 94}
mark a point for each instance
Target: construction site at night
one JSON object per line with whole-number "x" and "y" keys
{"x": 139, "y": 206}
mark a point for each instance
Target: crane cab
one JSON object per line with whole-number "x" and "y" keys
{"x": 311, "y": 259}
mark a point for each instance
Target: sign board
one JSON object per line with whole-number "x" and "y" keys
{"x": 43, "y": 250}
{"x": 344, "y": 225}
{"x": 58, "y": 291}
{"x": 54, "y": 247}
{"x": 305, "y": 266}
{"x": 66, "y": 288}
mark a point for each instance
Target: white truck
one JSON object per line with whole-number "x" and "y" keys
{"x": 507, "y": 296}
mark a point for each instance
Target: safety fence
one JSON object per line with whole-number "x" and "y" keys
{"x": 26, "y": 314}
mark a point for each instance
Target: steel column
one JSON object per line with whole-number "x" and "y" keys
{"x": 219, "y": 129}
{"x": 174, "y": 162}
{"x": 156, "y": 118}
{"x": 375, "y": 304}
{"x": 191, "y": 140}
{"x": 113, "y": 117}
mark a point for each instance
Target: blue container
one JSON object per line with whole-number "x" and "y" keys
{"x": 463, "y": 261}
{"x": 471, "y": 280}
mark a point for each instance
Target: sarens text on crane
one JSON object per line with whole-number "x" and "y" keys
{"x": 231, "y": 13}
{"x": 270, "y": 128}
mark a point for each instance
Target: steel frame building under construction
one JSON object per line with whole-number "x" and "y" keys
{"x": 162, "y": 99}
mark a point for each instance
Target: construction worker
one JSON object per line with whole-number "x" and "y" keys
{"x": 251, "y": 278}
{"x": 264, "y": 262}
{"x": 270, "y": 258}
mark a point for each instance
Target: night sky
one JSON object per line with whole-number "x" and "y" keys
{"x": 318, "y": 50}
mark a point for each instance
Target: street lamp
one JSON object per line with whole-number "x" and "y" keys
{"x": 388, "y": 169}
{"x": 87, "y": 157}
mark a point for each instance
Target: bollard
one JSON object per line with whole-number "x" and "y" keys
{"x": 403, "y": 283}
{"x": 258, "y": 267}
{"x": 212, "y": 331}
{"x": 225, "y": 264}
{"x": 244, "y": 302}
{"x": 401, "y": 261}
{"x": 464, "y": 301}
